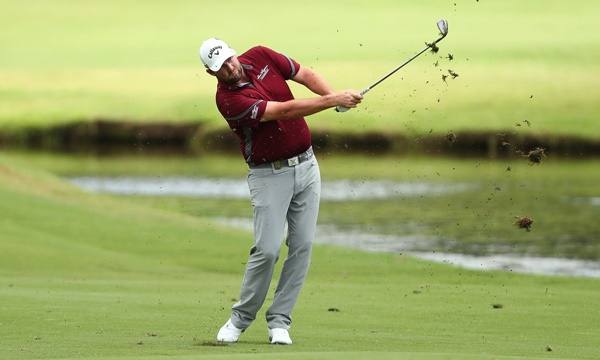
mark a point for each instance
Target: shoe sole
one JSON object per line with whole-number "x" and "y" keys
{"x": 279, "y": 342}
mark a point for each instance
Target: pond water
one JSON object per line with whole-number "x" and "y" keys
{"x": 346, "y": 190}
{"x": 340, "y": 190}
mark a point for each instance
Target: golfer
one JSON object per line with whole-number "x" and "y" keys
{"x": 284, "y": 179}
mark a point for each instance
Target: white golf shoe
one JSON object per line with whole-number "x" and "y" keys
{"x": 229, "y": 333}
{"x": 279, "y": 336}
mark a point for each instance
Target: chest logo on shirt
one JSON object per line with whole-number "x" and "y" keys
{"x": 263, "y": 72}
{"x": 254, "y": 112}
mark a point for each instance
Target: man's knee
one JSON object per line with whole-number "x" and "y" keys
{"x": 265, "y": 255}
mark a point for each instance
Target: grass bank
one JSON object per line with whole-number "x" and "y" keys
{"x": 86, "y": 276}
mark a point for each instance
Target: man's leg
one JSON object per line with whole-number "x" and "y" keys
{"x": 302, "y": 219}
{"x": 271, "y": 192}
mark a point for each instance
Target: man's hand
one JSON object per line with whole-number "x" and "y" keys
{"x": 344, "y": 108}
{"x": 347, "y": 99}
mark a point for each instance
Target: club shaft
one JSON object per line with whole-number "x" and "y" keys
{"x": 366, "y": 90}
{"x": 398, "y": 68}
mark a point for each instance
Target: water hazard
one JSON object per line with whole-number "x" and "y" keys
{"x": 345, "y": 190}
{"x": 340, "y": 190}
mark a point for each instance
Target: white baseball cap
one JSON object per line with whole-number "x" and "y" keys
{"x": 214, "y": 52}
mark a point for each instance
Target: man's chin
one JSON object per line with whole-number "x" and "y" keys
{"x": 232, "y": 80}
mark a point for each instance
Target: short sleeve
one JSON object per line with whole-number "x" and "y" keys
{"x": 287, "y": 66}
{"x": 241, "y": 110}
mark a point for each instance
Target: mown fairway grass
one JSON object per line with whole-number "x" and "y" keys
{"x": 86, "y": 276}
{"x": 66, "y": 61}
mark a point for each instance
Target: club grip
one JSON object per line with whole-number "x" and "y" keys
{"x": 343, "y": 108}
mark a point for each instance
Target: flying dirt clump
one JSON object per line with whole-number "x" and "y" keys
{"x": 433, "y": 46}
{"x": 452, "y": 73}
{"x": 535, "y": 156}
{"x": 450, "y": 137}
{"x": 524, "y": 222}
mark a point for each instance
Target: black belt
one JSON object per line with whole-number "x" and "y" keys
{"x": 291, "y": 162}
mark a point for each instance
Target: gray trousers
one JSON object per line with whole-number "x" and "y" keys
{"x": 289, "y": 194}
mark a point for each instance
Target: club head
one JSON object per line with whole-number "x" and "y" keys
{"x": 442, "y": 24}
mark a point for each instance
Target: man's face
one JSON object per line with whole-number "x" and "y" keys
{"x": 230, "y": 72}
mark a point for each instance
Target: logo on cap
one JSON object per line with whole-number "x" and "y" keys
{"x": 214, "y": 50}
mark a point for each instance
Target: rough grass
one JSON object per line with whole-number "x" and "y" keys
{"x": 87, "y": 276}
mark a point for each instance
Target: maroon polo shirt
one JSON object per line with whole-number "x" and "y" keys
{"x": 244, "y": 105}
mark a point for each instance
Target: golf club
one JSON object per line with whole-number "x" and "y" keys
{"x": 442, "y": 26}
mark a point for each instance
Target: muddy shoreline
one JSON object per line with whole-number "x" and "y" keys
{"x": 105, "y": 137}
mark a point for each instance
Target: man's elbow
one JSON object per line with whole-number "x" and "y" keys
{"x": 279, "y": 116}
{"x": 278, "y": 111}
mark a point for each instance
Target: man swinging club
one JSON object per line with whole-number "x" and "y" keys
{"x": 284, "y": 179}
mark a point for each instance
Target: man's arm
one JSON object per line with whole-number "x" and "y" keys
{"x": 293, "y": 109}
{"x": 313, "y": 81}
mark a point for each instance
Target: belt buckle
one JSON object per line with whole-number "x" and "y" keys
{"x": 294, "y": 161}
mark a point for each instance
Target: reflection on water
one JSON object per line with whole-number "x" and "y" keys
{"x": 340, "y": 190}
{"x": 522, "y": 264}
